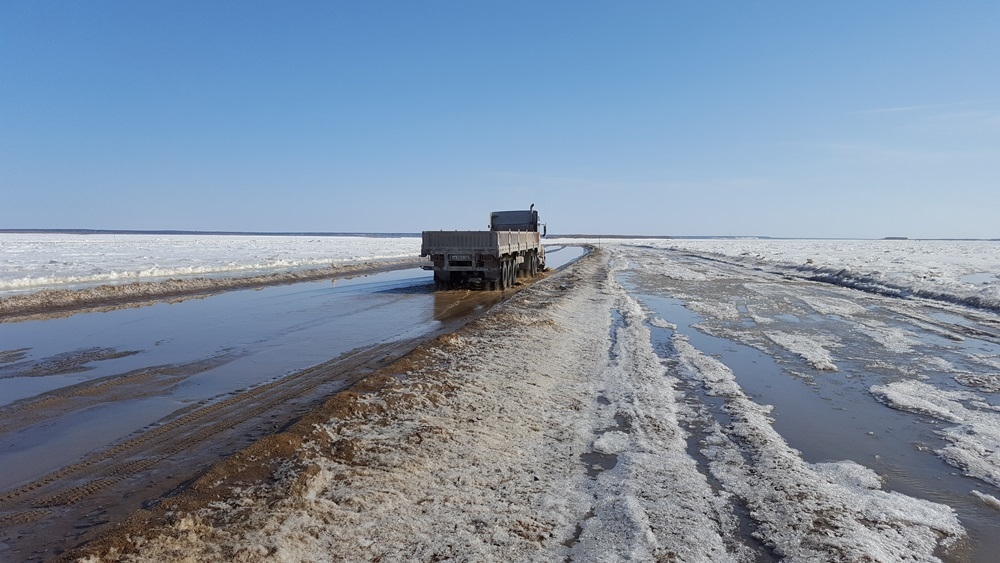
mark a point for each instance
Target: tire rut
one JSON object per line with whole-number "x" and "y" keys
{"x": 56, "y": 503}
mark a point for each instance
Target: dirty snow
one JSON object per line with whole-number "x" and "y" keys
{"x": 894, "y": 339}
{"x": 988, "y": 379}
{"x": 832, "y": 306}
{"x": 653, "y": 504}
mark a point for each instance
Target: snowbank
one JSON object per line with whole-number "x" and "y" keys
{"x": 50, "y": 300}
{"x": 33, "y": 262}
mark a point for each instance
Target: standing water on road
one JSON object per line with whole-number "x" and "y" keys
{"x": 200, "y": 349}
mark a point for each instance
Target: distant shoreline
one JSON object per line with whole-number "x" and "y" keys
{"x": 182, "y": 232}
{"x": 417, "y": 235}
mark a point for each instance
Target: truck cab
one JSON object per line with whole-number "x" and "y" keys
{"x": 519, "y": 220}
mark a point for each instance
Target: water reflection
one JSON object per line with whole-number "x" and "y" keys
{"x": 450, "y": 305}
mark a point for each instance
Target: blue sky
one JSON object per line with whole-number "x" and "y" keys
{"x": 799, "y": 119}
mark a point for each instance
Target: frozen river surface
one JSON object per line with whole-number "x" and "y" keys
{"x": 826, "y": 400}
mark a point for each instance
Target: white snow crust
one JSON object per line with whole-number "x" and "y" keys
{"x": 813, "y": 349}
{"x": 975, "y": 437}
{"x": 894, "y": 339}
{"x": 989, "y": 500}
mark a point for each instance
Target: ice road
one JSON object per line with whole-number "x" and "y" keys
{"x": 646, "y": 404}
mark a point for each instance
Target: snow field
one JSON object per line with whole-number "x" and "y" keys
{"x": 962, "y": 272}
{"x": 33, "y": 262}
{"x": 965, "y": 272}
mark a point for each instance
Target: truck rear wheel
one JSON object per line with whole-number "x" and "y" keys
{"x": 507, "y": 274}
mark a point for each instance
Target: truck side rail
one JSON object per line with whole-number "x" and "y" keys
{"x": 497, "y": 243}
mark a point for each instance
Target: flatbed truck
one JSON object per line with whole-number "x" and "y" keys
{"x": 492, "y": 259}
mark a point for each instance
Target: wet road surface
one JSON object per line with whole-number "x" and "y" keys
{"x": 102, "y": 413}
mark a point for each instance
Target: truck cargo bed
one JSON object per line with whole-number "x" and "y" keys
{"x": 497, "y": 243}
